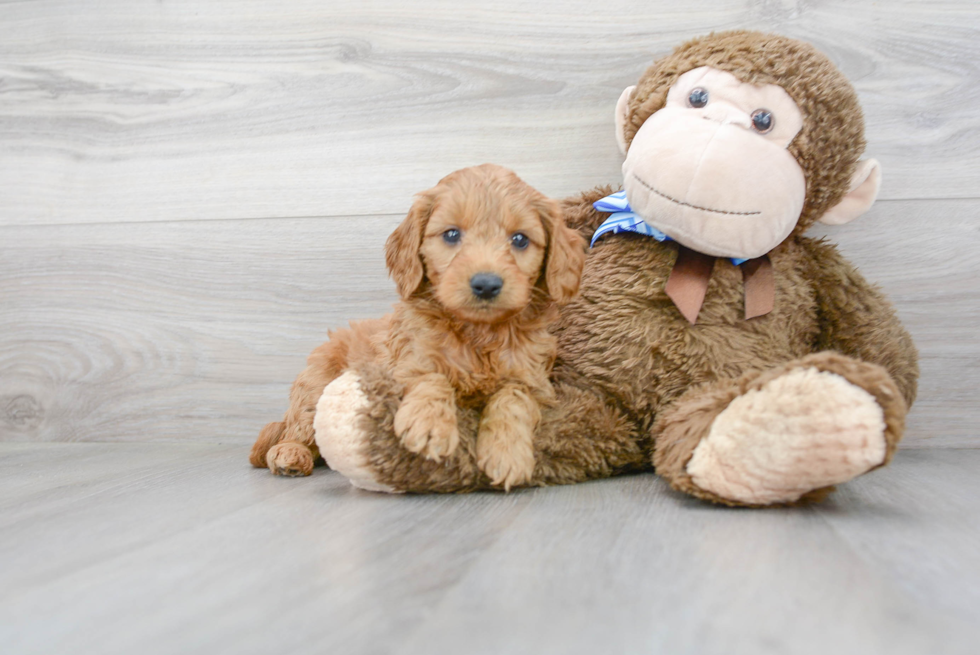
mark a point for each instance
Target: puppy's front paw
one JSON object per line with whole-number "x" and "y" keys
{"x": 506, "y": 456}
{"x": 427, "y": 427}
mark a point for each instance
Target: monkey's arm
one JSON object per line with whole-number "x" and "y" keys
{"x": 579, "y": 213}
{"x": 857, "y": 320}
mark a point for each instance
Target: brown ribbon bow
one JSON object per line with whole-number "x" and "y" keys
{"x": 688, "y": 283}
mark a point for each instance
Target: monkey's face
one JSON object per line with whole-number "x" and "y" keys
{"x": 711, "y": 168}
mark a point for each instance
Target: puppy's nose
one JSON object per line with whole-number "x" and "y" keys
{"x": 486, "y": 285}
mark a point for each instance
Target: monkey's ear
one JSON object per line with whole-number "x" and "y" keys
{"x": 859, "y": 197}
{"x": 402, "y": 248}
{"x": 622, "y": 111}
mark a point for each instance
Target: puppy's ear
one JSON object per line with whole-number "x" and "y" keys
{"x": 402, "y": 248}
{"x": 566, "y": 254}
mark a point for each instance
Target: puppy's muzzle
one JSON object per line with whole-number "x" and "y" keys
{"x": 486, "y": 286}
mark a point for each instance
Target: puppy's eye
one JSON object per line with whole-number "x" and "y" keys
{"x": 698, "y": 98}
{"x": 451, "y": 236}
{"x": 763, "y": 120}
{"x": 519, "y": 241}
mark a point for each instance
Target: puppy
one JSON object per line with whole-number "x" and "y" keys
{"x": 481, "y": 262}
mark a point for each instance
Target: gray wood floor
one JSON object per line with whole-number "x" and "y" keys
{"x": 181, "y": 548}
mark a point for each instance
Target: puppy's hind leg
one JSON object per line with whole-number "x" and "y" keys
{"x": 269, "y": 436}
{"x": 295, "y": 451}
{"x": 290, "y": 448}
{"x": 287, "y": 447}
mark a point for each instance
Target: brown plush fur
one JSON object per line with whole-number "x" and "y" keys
{"x": 443, "y": 344}
{"x": 635, "y": 383}
{"x": 584, "y": 440}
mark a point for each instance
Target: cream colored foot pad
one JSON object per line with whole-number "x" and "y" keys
{"x": 804, "y": 430}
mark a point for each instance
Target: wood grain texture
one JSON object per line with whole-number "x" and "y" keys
{"x": 177, "y": 331}
{"x": 194, "y": 330}
{"x": 108, "y": 548}
{"x": 115, "y": 110}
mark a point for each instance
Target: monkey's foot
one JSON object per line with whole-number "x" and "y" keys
{"x": 776, "y": 437}
{"x": 801, "y": 431}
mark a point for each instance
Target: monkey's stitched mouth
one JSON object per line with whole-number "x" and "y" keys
{"x": 687, "y": 204}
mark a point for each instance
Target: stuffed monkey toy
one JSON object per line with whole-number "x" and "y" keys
{"x": 712, "y": 341}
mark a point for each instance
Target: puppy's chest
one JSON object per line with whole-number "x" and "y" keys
{"x": 478, "y": 370}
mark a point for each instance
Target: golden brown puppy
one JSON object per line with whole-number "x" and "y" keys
{"x": 480, "y": 262}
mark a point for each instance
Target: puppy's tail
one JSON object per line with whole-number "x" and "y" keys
{"x": 270, "y": 435}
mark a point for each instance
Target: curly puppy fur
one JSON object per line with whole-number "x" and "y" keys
{"x": 452, "y": 339}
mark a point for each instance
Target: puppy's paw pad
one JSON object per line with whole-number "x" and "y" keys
{"x": 427, "y": 429}
{"x": 290, "y": 459}
{"x": 443, "y": 440}
{"x": 507, "y": 462}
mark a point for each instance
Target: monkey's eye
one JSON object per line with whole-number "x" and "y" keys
{"x": 698, "y": 98}
{"x": 451, "y": 236}
{"x": 763, "y": 120}
{"x": 519, "y": 241}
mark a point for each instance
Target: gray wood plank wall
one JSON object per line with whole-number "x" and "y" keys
{"x": 193, "y": 193}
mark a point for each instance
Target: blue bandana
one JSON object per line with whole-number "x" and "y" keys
{"x": 624, "y": 220}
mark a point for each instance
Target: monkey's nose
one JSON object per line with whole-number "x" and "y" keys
{"x": 726, "y": 114}
{"x": 486, "y": 286}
